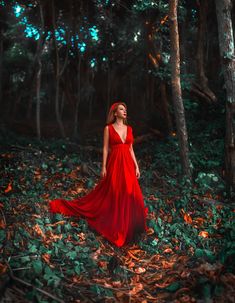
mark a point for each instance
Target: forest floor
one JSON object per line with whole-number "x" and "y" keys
{"x": 186, "y": 256}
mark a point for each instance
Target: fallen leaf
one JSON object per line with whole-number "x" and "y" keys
{"x": 3, "y": 268}
{"x": 136, "y": 289}
{"x": 187, "y": 218}
{"x": 140, "y": 270}
{"x": 2, "y": 224}
{"x": 46, "y": 258}
{"x": 150, "y": 231}
{"x": 132, "y": 256}
{"x": 168, "y": 250}
{"x": 204, "y": 234}
{"x": 38, "y": 231}
{"x": 131, "y": 265}
{"x": 102, "y": 264}
{"x": 9, "y": 188}
{"x": 117, "y": 283}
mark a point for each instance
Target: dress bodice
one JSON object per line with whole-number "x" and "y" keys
{"x": 115, "y": 139}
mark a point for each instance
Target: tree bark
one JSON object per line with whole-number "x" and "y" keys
{"x": 38, "y": 105}
{"x": 227, "y": 53}
{"x": 38, "y": 75}
{"x": 1, "y": 60}
{"x": 57, "y": 76}
{"x": 176, "y": 89}
{"x": 200, "y": 87}
{"x": 78, "y": 99}
{"x": 165, "y": 107}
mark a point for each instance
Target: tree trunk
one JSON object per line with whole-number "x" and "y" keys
{"x": 165, "y": 106}
{"x": 108, "y": 89}
{"x": 200, "y": 87}
{"x": 38, "y": 75}
{"x": 176, "y": 89}
{"x": 38, "y": 105}
{"x": 1, "y": 59}
{"x": 57, "y": 76}
{"x": 78, "y": 99}
{"x": 227, "y": 53}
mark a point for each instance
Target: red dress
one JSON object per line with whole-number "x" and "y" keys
{"x": 115, "y": 206}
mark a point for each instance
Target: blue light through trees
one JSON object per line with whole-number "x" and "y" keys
{"x": 93, "y": 63}
{"x": 32, "y": 31}
{"x": 94, "y": 33}
{"x": 18, "y": 10}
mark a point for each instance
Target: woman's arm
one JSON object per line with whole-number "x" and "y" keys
{"x": 137, "y": 171}
{"x": 105, "y": 150}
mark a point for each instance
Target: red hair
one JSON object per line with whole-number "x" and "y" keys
{"x": 113, "y": 108}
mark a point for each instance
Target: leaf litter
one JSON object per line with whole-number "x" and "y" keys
{"x": 187, "y": 255}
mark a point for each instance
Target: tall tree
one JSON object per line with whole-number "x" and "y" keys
{"x": 39, "y": 72}
{"x": 226, "y": 43}
{"x": 176, "y": 88}
{"x": 1, "y": 62}
{"x": 200, "y": 86}
{"x": 58, "y": 72}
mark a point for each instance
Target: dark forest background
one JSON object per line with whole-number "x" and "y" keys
{"x": 75, "y": 58}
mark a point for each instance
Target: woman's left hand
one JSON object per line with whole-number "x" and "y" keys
{"x": 137, "y": 172}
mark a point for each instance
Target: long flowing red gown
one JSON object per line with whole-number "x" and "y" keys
{"x": 115, "y": 206}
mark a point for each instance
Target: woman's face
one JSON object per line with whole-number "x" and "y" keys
{"x": 121, "y": 111}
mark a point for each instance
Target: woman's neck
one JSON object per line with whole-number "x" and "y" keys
{"x": 119, "y": 122}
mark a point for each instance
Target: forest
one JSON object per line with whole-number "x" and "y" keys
{"x": 62, "y": 65}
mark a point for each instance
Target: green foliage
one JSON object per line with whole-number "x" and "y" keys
{"x": 173, "y": 287}
{"x": 162, "y": 6}
{"x": 174, "y": 202}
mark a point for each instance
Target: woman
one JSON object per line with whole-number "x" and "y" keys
{"x": 115, "y": 207}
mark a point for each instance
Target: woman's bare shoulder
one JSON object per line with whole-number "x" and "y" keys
{"x": 106, "y": 128}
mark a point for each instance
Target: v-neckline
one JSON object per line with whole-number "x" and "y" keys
{"x": 119, "y": 135}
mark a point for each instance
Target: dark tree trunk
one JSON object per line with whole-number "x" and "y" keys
{"x": 227, "y": 53}
{"x": 1, "y": 59}
{"x": 176, "y": 89}
{"x": 165, "y": 107}
{"x": 200, "y": 88}
{"x": 57, "y": 76}
{"x": 38, "y": 75}
{"x": 78, "y": 99}
{"x": 108, "y": 89}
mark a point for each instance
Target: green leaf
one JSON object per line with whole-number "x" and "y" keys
{"x": 85, "y": 249}
{"x": 173, "y": 286}
{"x": 44, "y": 166}
{"x": 159, "y": 220}
{"x": 71, "y": 255}
{"x": 204, "y": 253}
{"x": 155, "y": 227}
{"x": 188, "y": 240}
{"x": 206, "y": 290}
{"x": 32, "y": 248}
{"x": 51, "y": 278}
{"x": 154, "y": 242}
{"x": 37, "y": 266}
{"x": 90, "y": 183}
{"x": 77, "y": 269}
{"x": 25, "y": 259}
{"x": 67, "y": 227}
{"x": 2, "y": 235}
